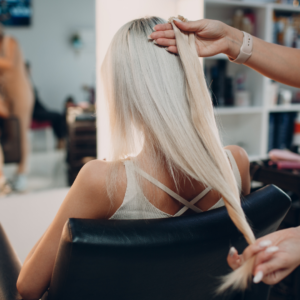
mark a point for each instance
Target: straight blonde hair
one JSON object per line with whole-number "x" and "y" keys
{"x": 162, "y": 100}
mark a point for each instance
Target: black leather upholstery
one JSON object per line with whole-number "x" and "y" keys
{"x": 176, "y": 258}
{"x": 9, "y": 269}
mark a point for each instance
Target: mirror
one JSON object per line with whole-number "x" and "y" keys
{"x": 57, "y": 42}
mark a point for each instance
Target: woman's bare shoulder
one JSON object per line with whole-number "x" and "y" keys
{"x": 242, "y": 161}
{"x": 12, "y": 41}
{"x": 96, "y": 171}
{"x": 240, "y": 155}
{"x": 95, "y": 168}
{"x": 92, "y": 181}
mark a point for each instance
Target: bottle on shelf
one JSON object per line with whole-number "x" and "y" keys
{"x": 296, "y": 135}
{"x": 273, "y": 93}
{"x": 286, "y": 29}
{"x": 228, "y": 94}
{"x": 285, "y": 96}
{"x": 242, "y": 96}
{"x": 238, "y": 19}
{"x": 218, "y": 86}
{"x": 244, "y": 20}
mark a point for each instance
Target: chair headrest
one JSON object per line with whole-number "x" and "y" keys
{"x": 262, "y": 208}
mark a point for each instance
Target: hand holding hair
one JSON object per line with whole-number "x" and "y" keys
{"x": 207, "y": 37}
{"x": 211, "y": 37}
{"x": 277, "y": 255}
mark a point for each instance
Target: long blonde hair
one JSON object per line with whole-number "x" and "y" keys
{"x": 163, "y": 100}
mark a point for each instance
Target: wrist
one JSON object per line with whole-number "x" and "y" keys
{"x": 297, "y": 231}
{"x": 234, "y": 40}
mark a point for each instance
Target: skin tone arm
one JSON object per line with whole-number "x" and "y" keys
{"x": 5, "y": 64}
{"x": 277, "y": 62}
{"x": 4, "y": 112}
{"x": 274, "y": 263}
{"x": 6, "y": 61}
{"x": 35, "y": 275}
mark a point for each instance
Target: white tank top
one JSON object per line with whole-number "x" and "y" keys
{"x": 136, "y": 206}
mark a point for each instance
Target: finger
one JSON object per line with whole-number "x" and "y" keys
{"x": 272, "y": 266}
{"x": 192, "y": 26}
{"x": 234, "y": 259}
{"x": 276, "y": 277}
{"x": 256, "y": 248}
{"x": 168, "y": 34}
{"x": 173, "y": 49}
{"x": 234, "y": 262}
{"x": 265, "y": 255}
{"x": 161, "y": 27}
{"x": 165, "y": 42}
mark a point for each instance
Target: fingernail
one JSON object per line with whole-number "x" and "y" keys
{"x": 153, "y": 28}
{"x": 155, "y": 42}
{"x": 177, "y": 20}
{"x": 232, "y": 251}
{"x": 264, "y": 244}
{"x": 149, "y": 37}
{"x": 272, "y": 249}
{"x": 258, "y": 277}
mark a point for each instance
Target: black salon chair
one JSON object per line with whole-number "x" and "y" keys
{"x": 178, "y": 258}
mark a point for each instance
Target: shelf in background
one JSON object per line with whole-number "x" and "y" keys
{"x": 237, "y": 110}
{"x": 258, "y": 157}
{"x": 285, "y": 108}
{"x": 254, "y": 158}
{"x": 218, "y": 56}
{"x": 278, "y": 7}
{"x": 235, "y": 3}
{"x": 284, "y": 7}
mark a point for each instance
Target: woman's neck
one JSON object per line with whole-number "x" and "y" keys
{"x": 151, "y": 155}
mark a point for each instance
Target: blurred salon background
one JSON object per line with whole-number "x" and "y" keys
{"x": 56, "y": 41}
{"x": 49, "y": 82}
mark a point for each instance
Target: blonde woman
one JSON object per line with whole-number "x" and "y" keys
{"x": 161, "y": 101}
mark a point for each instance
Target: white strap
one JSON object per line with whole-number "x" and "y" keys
{"x": 168, "y": 191}
{"x": 190, "y": 204}
{"x": 246, "y": 49}
{"x": 195, "y": 200}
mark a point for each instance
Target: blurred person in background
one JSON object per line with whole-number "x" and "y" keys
{"x": 41, "y": 113}
{"x": 4, "y": 186}
{"x": 17, "y": 91}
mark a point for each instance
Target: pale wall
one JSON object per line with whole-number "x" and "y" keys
{"x": 57, "y": 70}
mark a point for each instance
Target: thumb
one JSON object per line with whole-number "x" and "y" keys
{"x": 191, "y": 26}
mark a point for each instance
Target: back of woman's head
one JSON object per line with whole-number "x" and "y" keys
{"x": 161, "y": 100}
{"x": 146, "y": 89}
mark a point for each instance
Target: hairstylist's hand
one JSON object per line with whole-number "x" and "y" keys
{"x": 278, "y": 254}
{"x": 212, "y": 37}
